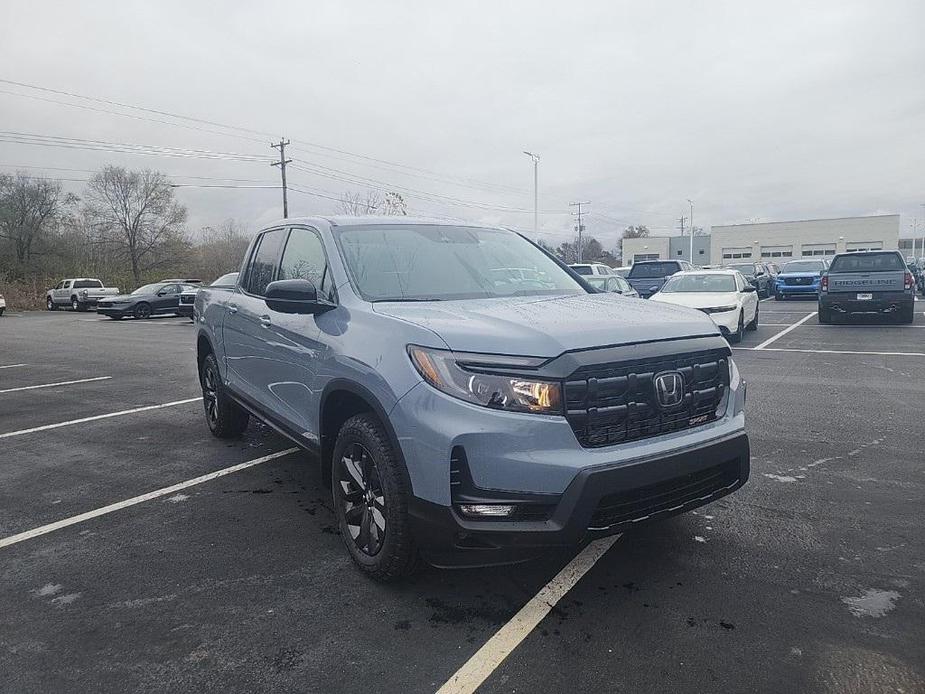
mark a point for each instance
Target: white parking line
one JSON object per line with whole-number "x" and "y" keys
{"x": 487, "y": 659}
{"x": 11, "y": 366}
{"x": 783, "y": 332}
{"x": 73, "y": 520}
{"x": 46, "y": 427}
{"x": 59, "y": 383}
{"x": 834, "y": 351}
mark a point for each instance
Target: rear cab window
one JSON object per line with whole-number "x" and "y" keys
{"x": 88, "y": 284}
{"x": 651, "y": 270}
{"x": 873, "y": 262}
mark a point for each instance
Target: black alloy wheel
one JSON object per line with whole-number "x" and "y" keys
{"x": 143, "y": 311}
{"x": 364, "y": 511}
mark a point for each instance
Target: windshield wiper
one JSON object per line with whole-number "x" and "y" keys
{"x": 409, "y": 298}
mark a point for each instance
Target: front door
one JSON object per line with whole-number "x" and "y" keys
{"x": 249, "y": 351}
{"x": 167, "y": 299}
{"x": 290, "y": 378}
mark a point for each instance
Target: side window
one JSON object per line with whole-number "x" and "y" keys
{"x": 263, "y": 263}
{"x": 304, "y": 259}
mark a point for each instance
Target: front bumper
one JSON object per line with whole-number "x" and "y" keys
{"x": 797, "y": 289}
{"x": 727, "y": 322}
{"x": 882, "y": 302}
{"x": 118, "y": 310}
{"x": 599, "y": 501}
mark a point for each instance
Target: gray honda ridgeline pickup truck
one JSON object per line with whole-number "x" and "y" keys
{"x": 464, "y": 410}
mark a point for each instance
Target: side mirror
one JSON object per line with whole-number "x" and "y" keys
{"x": 749, "y": 289}
{"x": 295, "y": 296}
{"x": 162, "y": 293}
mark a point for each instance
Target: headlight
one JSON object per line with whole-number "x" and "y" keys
{"x": 719, "y": 309}
{"x": 443, "y": 371}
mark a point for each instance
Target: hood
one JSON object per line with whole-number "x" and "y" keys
{"x": 549, "y": 326}
{"x": 119, "y": 297}
{"x": 698, "y": 299}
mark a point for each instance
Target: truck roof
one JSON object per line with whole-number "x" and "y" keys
{"x": 374, "y": 220}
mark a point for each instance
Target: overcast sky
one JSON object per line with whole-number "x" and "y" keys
{"x": 768, "y": 111}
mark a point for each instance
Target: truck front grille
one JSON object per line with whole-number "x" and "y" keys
{"x": 608, "y": 404}
{"x": 798, "y": 281}
{"x": 670, "y": 496}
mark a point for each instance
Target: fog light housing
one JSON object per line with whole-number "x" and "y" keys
{"x": 487, "y": 510}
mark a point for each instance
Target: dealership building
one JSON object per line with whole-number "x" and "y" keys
{"x": 771, "y": 241}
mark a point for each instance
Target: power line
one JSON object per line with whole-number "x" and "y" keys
{"x": 410, "y": 170}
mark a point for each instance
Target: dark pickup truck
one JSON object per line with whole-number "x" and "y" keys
{"x": 648, "y": 276}
{"x": 871, "y": 282}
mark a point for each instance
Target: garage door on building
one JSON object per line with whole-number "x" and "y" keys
{"x": 743, "y": 252}
{"x": 811, "y": 249}
{"x": 857, "y": 247}
{"x": 645, "y": 256}
{"x": 777, "y": 251}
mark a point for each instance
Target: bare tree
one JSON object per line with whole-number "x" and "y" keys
{"x": 135, "y": 212}
{"x": 394, "y": 205}
{"x": 360, "y": 204}
{"x": 29, "y": 209}
{"x": 640, "y": 231}
{"x": 371, "y": 202}
{"x": 220, "y": 249}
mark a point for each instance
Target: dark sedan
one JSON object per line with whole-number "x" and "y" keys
{"x": 757, "y": 275}
{"x": 144, "y": 302}
{"x": 188, "y": 296}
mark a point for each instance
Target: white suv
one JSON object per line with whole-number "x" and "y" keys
{"x": 587, "y": 269}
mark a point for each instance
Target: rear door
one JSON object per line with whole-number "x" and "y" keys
{"x": 247, "y": 319}
{"x": 867, "y": 273}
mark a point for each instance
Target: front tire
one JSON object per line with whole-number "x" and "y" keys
{"x": 49, "y": 304}
{"x": 226, "y": 419}
{"x": 753, "y": 324}
{"x": 371, "y": 498}
{"x": 142, "y": 311}
{"x": 779, "y": 297}
{"x": 736, "y": 337}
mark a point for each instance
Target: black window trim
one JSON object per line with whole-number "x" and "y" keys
{"x": 324, "y": 251}
{"x": 242, "y": 283}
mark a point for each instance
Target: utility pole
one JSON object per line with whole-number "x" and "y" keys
{"x": 681, "y": 219}
{"x": 581, "y": 227}
{"x": 281, "y": 146}
{"x": 692, "y": 230}
{"x": 536, "y": 198}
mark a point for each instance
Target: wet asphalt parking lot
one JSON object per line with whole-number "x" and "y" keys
{"x": 811, "y": 578}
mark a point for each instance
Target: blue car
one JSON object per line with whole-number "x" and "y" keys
{"x": 799, "y": 278}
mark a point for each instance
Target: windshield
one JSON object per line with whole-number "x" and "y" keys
{"x": 149, "y": 288}
{"x": 700, "y": 283}
{"x": 744, "y": 268}
{"x": 228, "y": 280}
{"x": 583, "y": 269}
{"x": 803, "y": 266}
{"x": 875, "y": 262}
{"x": 650, "y": 270}
{"x": 426, "y": 263}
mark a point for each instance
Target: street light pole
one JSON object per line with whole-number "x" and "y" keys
{"x": 536, "y": 195}
{"x": 692, "y": 230}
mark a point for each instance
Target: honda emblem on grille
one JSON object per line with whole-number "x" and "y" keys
{"x": 669, "y": 389}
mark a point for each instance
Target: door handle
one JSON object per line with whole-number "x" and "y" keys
{"x": 232, "y": 308}
{"x": 265, "y": 321}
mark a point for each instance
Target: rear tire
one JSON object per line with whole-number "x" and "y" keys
{"x": 907, "y": 315}
{"x": 371, "y": 498}
{"x": 825, "y": 316}
{"x": 226, "y": 419}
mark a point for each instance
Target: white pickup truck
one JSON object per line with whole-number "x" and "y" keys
{"x": 80, "y": 293}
